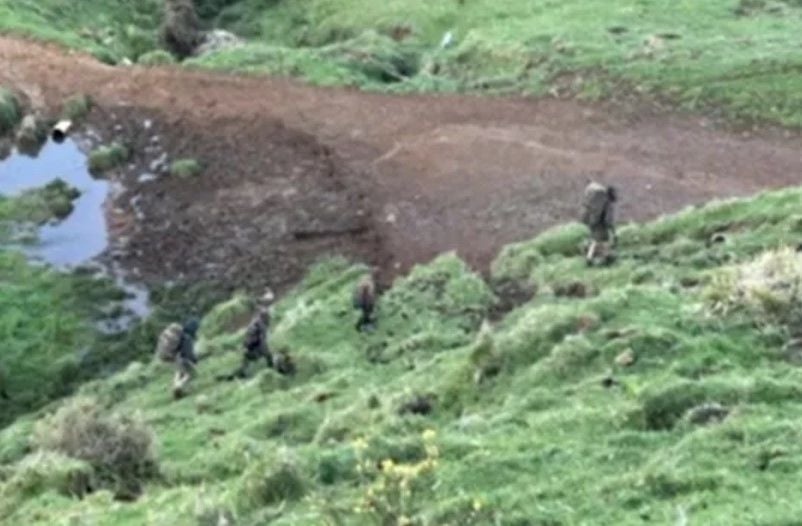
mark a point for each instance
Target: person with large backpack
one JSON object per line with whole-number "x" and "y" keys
{"x": 598, "y": 214}
{"x": 176, "y": 346}
{"x": 255, "y": 345}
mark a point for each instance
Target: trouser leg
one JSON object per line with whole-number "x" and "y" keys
{"x": 591, "y": 254}
{"x": 182, "y": 377}
{"x": 365, "y": 320}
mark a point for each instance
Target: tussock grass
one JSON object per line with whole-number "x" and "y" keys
{"x": 76, "y": 107}
{"x": 185, "y": 168}
{"x": 10, "y": 111}
{"x": 105, "y": 158}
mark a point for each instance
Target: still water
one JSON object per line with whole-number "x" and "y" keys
{"x": 81, "y": 236}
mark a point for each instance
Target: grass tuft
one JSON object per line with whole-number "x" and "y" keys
{"x": 108, "y": 157}
{"x": 185, "y": 168}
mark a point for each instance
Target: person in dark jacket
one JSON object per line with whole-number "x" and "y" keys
{"x": 255, "y": 346}
{"x": 185, "y": 358}
{"x": 365, "y": 302}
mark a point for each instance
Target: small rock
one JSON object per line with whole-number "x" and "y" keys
{"x": 447, "y": 40}
{"x": 216, "y": 40}
{"x": 626, "y": 358}
{"x": 707, "y": 414}
{"x": 609, "y": 381}
{"x": 159, "y": 164}
{"x": 323, "y": 396}
{"x": 418, "y": 405}
{"x": 575, "y": 289}
{"x": 147, "y": 124}
{"x": 31, "y": 135}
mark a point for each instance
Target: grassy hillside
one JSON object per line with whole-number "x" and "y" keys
{"x": 658, "y": 390}
{"x": 740, "y": 58}
{"x": 739, "y": 54}
{"x": 49, "y": 320}
{"x": 111, "y": 29}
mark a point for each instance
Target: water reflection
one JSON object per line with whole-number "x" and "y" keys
{"x": 81, "y": 236}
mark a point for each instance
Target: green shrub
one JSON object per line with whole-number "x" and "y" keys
{"x": 59, "y": 197}
{"x": 266, "y": 484}
{"x": 185, "y": 168}
{"x": 158, "y": 57}
{"x": 768, "y": 287}
{"x": 664, "y": 406}
{"x": 136, "y": 42}
{"x": 105, "y": 158}
{"x": 10, "y": 111}
{"x": 42, "y": 472}
{"x": 119, "y": 447}
{"x": 76, "y": 107}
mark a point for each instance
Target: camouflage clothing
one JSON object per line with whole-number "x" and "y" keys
{"x": 365, "y": 301}
{"x": 255, "y": 346}
{"x": 185, "y": 359}
{"x": 598, "y": 214}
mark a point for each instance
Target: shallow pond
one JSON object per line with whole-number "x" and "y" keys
{"x": 83, "y": 235}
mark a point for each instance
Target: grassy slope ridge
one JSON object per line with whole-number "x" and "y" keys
{"x": 743, "y": 55}
{"x": 111, "y": 29}
{"x": 739, "y": 56}
{"x": 542, "y": 441}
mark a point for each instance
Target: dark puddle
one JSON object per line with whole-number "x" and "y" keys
{"x": 81, "y": 237}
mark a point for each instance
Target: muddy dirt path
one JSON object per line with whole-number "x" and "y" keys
{"x": 293, "y": 171}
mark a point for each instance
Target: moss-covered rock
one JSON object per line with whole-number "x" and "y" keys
{"x": 32, "y": 134}
{"x": 185, "y": 168}
{"x": 76, "y": 107}
{"x": 105, "y": 158}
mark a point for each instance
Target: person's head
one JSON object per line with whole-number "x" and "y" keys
{"x": 266, "y": 299}
{"x": 612, "y": 193}
{"x": 191, "y": 327}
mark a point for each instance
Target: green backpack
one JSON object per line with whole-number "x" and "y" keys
{"x": 169, "y": 342}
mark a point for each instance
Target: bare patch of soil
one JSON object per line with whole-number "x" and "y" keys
{"x": 292, "y": 171}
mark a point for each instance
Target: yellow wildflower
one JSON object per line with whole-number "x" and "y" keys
{"x": 477, "y": 505}
{"x": 387, "y": 464}
{"x": 429, "y": 435}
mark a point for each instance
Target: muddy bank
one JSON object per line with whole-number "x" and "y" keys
{"x": 267, "y": 202}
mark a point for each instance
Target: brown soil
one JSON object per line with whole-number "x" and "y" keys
{"x": 293, "y": 171}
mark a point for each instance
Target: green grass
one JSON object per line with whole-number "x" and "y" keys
{"x": 157, "y": 57}
{"x": 700, "y": 55}
{"x": 111, "y": 29}
{"x": 185, "y": 168}
{"x": 107, "y": 157}
{"x": 76, "y": 107}
{"x": 10, "y": 111}
{"x": 539, "y": 439}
